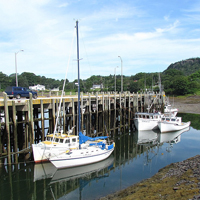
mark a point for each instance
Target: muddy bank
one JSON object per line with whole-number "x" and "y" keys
{"x": 189, "y": 104}
{"x": 176, "y": 181}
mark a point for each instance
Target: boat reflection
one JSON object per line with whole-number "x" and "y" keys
{"x": 171, "y": 137}
{"x": 146, "y": 137}
{"x": 48, "y": 170}
{"x": 151, "y": 140}
{"x": 153, "y": 137}
{"x": 43, "y": 171}
{"x": 82, "y": 171}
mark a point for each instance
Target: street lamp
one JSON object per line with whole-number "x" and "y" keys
{"x": 121, "y": 74}
{"x": 115, "y": 77}
{"x": 16, "y": 66}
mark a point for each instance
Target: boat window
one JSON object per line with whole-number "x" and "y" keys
{"x": 73, "y": 139}
{"x": 163, "y": 118}
{"x": 57, "y": 140}
{"x": 67, "y": 141}
{"x": 173, "y": 120}
{"x": 168, "y": 119}
{"x": 48, "y": 139}
{"x": 147, "y": 116}
{"x": 61, "y": 140}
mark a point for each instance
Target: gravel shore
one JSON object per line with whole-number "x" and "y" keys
{"x": 179, "y": 180}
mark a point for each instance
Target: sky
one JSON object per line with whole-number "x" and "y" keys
{"x": 147, "y": 35}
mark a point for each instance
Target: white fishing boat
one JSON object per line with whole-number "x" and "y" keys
{"x": 168, "y": 124}
{"x": 169, "y": 110}
{"x": 147, "y": 121}
{"x": 88, "y": 152}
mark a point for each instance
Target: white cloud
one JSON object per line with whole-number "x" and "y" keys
{"x": 44, "y": 29}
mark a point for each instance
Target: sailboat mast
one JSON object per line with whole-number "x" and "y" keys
{"x": 79, "y": 116}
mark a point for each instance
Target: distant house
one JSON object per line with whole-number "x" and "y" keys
{"x": 55, "y": 89}
{"x": 95, "y": 86}
{"x": 37, "y": 87}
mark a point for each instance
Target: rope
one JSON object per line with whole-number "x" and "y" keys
{"x": 13, "y": 153}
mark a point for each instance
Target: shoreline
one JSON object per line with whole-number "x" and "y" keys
{"x": 179, "y": 180}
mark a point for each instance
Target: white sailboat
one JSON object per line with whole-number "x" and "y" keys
{"x": 88, "y": 152}
{"x": 55, "y": 144}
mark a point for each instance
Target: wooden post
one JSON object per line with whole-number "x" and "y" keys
{"x": 0, "y": 146}
{"x": 15, "y": 131}
{"x": 109, "y": 110}
{"x": 90, "y": 116}
{"x": 7, "y": 126}
{"x": 53, "y": 113}
{"x": 64, "y": 116}
{"x": 27, "y": 135}
{"x": 129, "y": 108}
{"x": 120, "y": 108}
{"x": 42, "y": 118}
{"x": 115, "y": 107}
{"x": 82, "y": 118}
{"x": 31, "y": 119}
{"x": 103, "y": 110}
{"x": 97, "y": 113}
{"x": 124, "y": 108}
{"x": 73, "y": 115}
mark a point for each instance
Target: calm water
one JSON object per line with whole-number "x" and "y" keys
{"x": 137, "y": 156}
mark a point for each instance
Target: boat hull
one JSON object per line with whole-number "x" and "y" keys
{"x": 42, "y": 152}
{"x": 80, "y": 157}
{"x": 169, "y": 127}
{"x": 145, "y": 124}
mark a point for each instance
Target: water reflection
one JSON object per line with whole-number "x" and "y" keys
{"x": 134, "y": 153}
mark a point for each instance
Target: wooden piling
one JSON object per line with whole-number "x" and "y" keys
{"x": 42, "y": 118}
{"x": 7, "y": 126}
{"x": 15, "y": 131}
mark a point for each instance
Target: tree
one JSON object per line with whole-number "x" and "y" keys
{"x": 180, "y": 85}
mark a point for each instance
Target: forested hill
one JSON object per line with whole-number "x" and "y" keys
{"x": 188, "y": 66}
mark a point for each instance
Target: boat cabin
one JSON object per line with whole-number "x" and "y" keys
{"x": 64, "y": 139}
{"x": 156, "y": 116}
{"x": 174, "y": 120}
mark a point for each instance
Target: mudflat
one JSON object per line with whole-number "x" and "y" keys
{"x": 190, "y": 104}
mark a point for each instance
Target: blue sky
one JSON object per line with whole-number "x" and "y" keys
{"x": 148, "y": 35}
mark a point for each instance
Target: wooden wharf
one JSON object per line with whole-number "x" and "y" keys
{"x": 27, "y": 121}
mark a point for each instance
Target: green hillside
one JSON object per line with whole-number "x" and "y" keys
{"x": 188, "y": 66}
